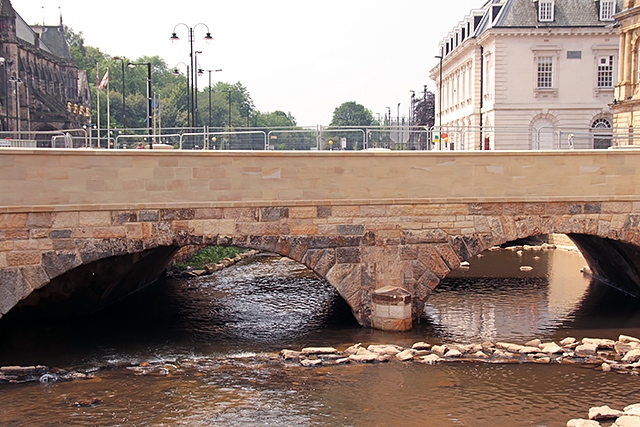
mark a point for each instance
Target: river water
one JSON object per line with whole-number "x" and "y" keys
{"x": 209, "y": 344}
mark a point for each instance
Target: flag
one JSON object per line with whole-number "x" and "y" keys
{"x": 105, "y": 80}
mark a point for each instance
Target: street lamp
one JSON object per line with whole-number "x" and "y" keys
{"x": 195, "y": 84}
{"x": 200, "y": 72}
{"x": 174, "y": 38}
{"x": 176, "y": 72}
{"x": 149, "y": 100}
{"x": 124, "y": 102}
{"x": 439, "y": 99}
{"x": 411, "y": 112}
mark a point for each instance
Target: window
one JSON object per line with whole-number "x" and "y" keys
{"x": 607, "y": 10}
{"x": 602, "y": 137}
{"x": 545, "y": 72}
{"x": 545, "y": 10}
{"x": 605, "y": 72}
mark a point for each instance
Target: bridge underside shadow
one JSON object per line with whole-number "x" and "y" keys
{"x": 613, "y": 262}
{"x": 92, "y": 287}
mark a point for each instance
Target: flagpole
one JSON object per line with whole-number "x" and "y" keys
{"x": 98, "y": 101}
{"x": 108, "y": 116}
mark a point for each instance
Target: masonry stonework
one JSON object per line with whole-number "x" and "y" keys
{"x": 361, "y": 221}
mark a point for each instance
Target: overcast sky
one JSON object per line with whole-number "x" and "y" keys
{"x": 301, "y": 56}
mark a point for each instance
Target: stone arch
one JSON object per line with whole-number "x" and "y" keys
{"x": 343, "y": 244}
{"x": 601, "y": 131}
{"x": 542, "y": 130}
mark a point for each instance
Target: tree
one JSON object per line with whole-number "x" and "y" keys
{"x": 424, "y": 110}
{"x": 351, "y": 114}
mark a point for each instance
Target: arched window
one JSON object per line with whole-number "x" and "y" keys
{"x": 601, "y": 130}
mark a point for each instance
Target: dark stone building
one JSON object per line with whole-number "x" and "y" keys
{"x": 41, "y": 88}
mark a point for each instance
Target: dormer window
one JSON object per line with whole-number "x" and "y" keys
{"x": 607, "y": 10}
{"x": 546, "y": 10}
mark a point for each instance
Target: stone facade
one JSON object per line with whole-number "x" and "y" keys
{"x": 627, "y": 100}
{"x": 363, "y": 221}
{"x": 510, "y": 80}
{"x": 41, "y": 88}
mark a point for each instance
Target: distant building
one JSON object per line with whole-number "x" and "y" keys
{"x": 529, "y": 74}
{"x": 41, "y": 88}
{"x": 626, "y": 106}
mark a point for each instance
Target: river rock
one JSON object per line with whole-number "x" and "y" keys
{"x": 626, "y": 343}
{"x": 453, "y": 353}
{"x": 588, "y": 349}
{"x": 627, "y": 421}
{"x": 601, "y": 413}
{"x": 290, "y": 354}
{"x": 421, "y": 346}
{"x": 430, "y": 359}
{"x": 568, "y": 341}
{"x": 533, "y": 343}
{"x": 319, "y": 350}
{"x": 389, "y": 350}
{"x": 632, "y": 356}
{"x": 406, "y": 355}
{"x": 605, "y": 367}
{"x": 632, "y": 409}
{"x": 551, "y": 348}
{"x": 353, "y": 349}
{"x": 583, "y": 423}
{"x": 600, "y": 343}
{"x": 364, "y": 356}
{"x": 514, "y": 348}
{"x": 439, "y": 350}
{"x": 310, "y": 362}
{"x": 528, "y": 349}
{"x": 480, "y": 355}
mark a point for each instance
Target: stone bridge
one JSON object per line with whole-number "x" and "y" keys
{"x": 83, "y": 228}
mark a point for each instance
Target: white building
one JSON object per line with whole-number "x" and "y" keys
{"x": 529, "y": 74}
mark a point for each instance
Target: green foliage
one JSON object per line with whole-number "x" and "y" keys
{"x": 209, "y": 255}
{"x": 352, "y": 114}
{"x": 219, "y": 105}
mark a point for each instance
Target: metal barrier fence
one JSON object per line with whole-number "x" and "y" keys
{"x": 461, "y": 138}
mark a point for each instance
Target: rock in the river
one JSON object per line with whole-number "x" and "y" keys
{"x": 319, "y": 350}
{"x": 406, "y": 355}
{"x": 632, "y": 356}
{"x": 533, "y": 343}
{"x": 421, "y": 346}
{"x": 290, "y": 354}
{"x": 551, "y": 348}
{"x": 430, "y": 359}
{"x": 601, "y": 413}
{"x": 568, "y": 341}
{"x": 453, "y": 354}
{"x": 583, "y": 423}
{"x": 588, "y": 349}
{"x": 310, "y": 362}
{"x": 439, "y": 350}
{"x": 389, "y": 350}
{"x": 600, "y": 343}
{"x": 627, "y": 421}
{"x": 632, "y": 409}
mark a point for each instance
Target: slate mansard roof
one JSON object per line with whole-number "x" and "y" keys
{"x": 524, "y": 14}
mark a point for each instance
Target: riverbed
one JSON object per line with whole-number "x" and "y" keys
{"x": 213, "y": 341}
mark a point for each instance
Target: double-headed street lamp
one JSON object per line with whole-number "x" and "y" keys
{"x": 149, "y": 99}
{"x": 176, "y": 72}
{"x": 192, "y": 76}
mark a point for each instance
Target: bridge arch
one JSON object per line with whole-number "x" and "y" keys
{"x": 356, "y": 248}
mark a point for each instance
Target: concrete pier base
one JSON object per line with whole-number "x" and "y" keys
{"x": 391, "y": 309}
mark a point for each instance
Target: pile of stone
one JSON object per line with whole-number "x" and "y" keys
{"x": 622, "y": 355}
{"x": 628, "y": 417}
{"x": 212, "y": 268}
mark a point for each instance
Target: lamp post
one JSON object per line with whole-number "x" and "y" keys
{"x": 124, "y": 102}
{"x": 439, "y": 99}
{"x": 195, "y": 85}
{"x": 176, "y": 72}
{"x": 174, "y": 38}
{"x": 149, "y": 99}
{"x": 200, "y": 72}
{"x": 16, "y": 80}
{"x": 411, "y": 106}
{"x": 229, "y": 122}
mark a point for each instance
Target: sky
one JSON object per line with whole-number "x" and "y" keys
{"x": 306, "y": 57}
